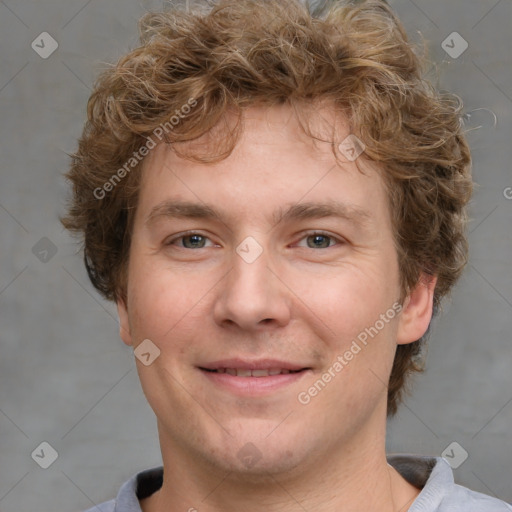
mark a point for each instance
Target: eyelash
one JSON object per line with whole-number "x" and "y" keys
{"x": 310, "y": 233}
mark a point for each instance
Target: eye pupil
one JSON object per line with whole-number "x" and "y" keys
{"x": 314, "y": 241}
{"x": 195, "y": 240}
{"x": 317, "y": 238}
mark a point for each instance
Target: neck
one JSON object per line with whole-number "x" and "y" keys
{"x": 350, "y": 480}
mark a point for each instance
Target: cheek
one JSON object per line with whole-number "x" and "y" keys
{"x": 164, "y": 301}
{"x": 150, "y": 292}
{"x": 351, "y": 299}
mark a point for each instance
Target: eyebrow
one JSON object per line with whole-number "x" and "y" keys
{"x": 295, "y": 211}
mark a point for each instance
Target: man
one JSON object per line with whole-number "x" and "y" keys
{"x": 276, "y": 202}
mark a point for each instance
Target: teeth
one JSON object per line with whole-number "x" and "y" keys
{"x": 242, "y": 372}
{"x": 259, "y": 373}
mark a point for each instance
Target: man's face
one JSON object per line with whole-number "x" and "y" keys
{"x": 287, "y": 299}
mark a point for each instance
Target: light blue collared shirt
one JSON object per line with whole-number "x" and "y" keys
{"x": 431, "y": 474}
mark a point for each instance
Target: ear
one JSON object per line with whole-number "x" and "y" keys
{"x": 417, "y": 311}
{"x": 124, "y": 323}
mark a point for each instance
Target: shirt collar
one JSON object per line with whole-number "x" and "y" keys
{"x": 433, "y": 475}
{"x": 417, "y": 470}
{"x": 138, "y": 487}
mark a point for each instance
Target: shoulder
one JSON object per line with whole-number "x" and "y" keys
{"x": 139, "y": 486}
{"x": 439, "y": 491}
{"x": 463, "y": 499}
{"x": 108, "y": 506}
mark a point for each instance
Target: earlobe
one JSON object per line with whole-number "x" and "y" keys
{"x": 417, "y": 311}
{"x": 124, "y": 324}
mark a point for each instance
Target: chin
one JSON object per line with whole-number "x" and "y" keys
{"x": 254, "y": 459}
{"x": 263, "y": 468}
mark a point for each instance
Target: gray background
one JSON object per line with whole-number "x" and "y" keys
{"x": 65, "y": 376}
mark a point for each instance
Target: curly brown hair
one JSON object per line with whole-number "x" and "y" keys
{"x": 227, "y": 55}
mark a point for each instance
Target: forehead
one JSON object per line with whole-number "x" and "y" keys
{"x": 275, "y": 169}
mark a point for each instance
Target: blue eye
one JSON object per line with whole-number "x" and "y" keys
{"x": 319, "y": 240}
{"x": 189, "y": 241}
{"x": 195, "y": 240}
{"x": 192, "y": 240}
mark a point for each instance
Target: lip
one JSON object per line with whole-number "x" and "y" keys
{"x": 256, "y": 364}
{"x": 253, "y": 386}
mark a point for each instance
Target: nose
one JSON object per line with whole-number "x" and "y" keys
{"x": 252, "y": 295}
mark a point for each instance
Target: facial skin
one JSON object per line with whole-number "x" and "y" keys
{"x": 303, "y": 301}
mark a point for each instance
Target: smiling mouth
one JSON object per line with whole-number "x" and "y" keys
{"x": 245, "y": 372}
